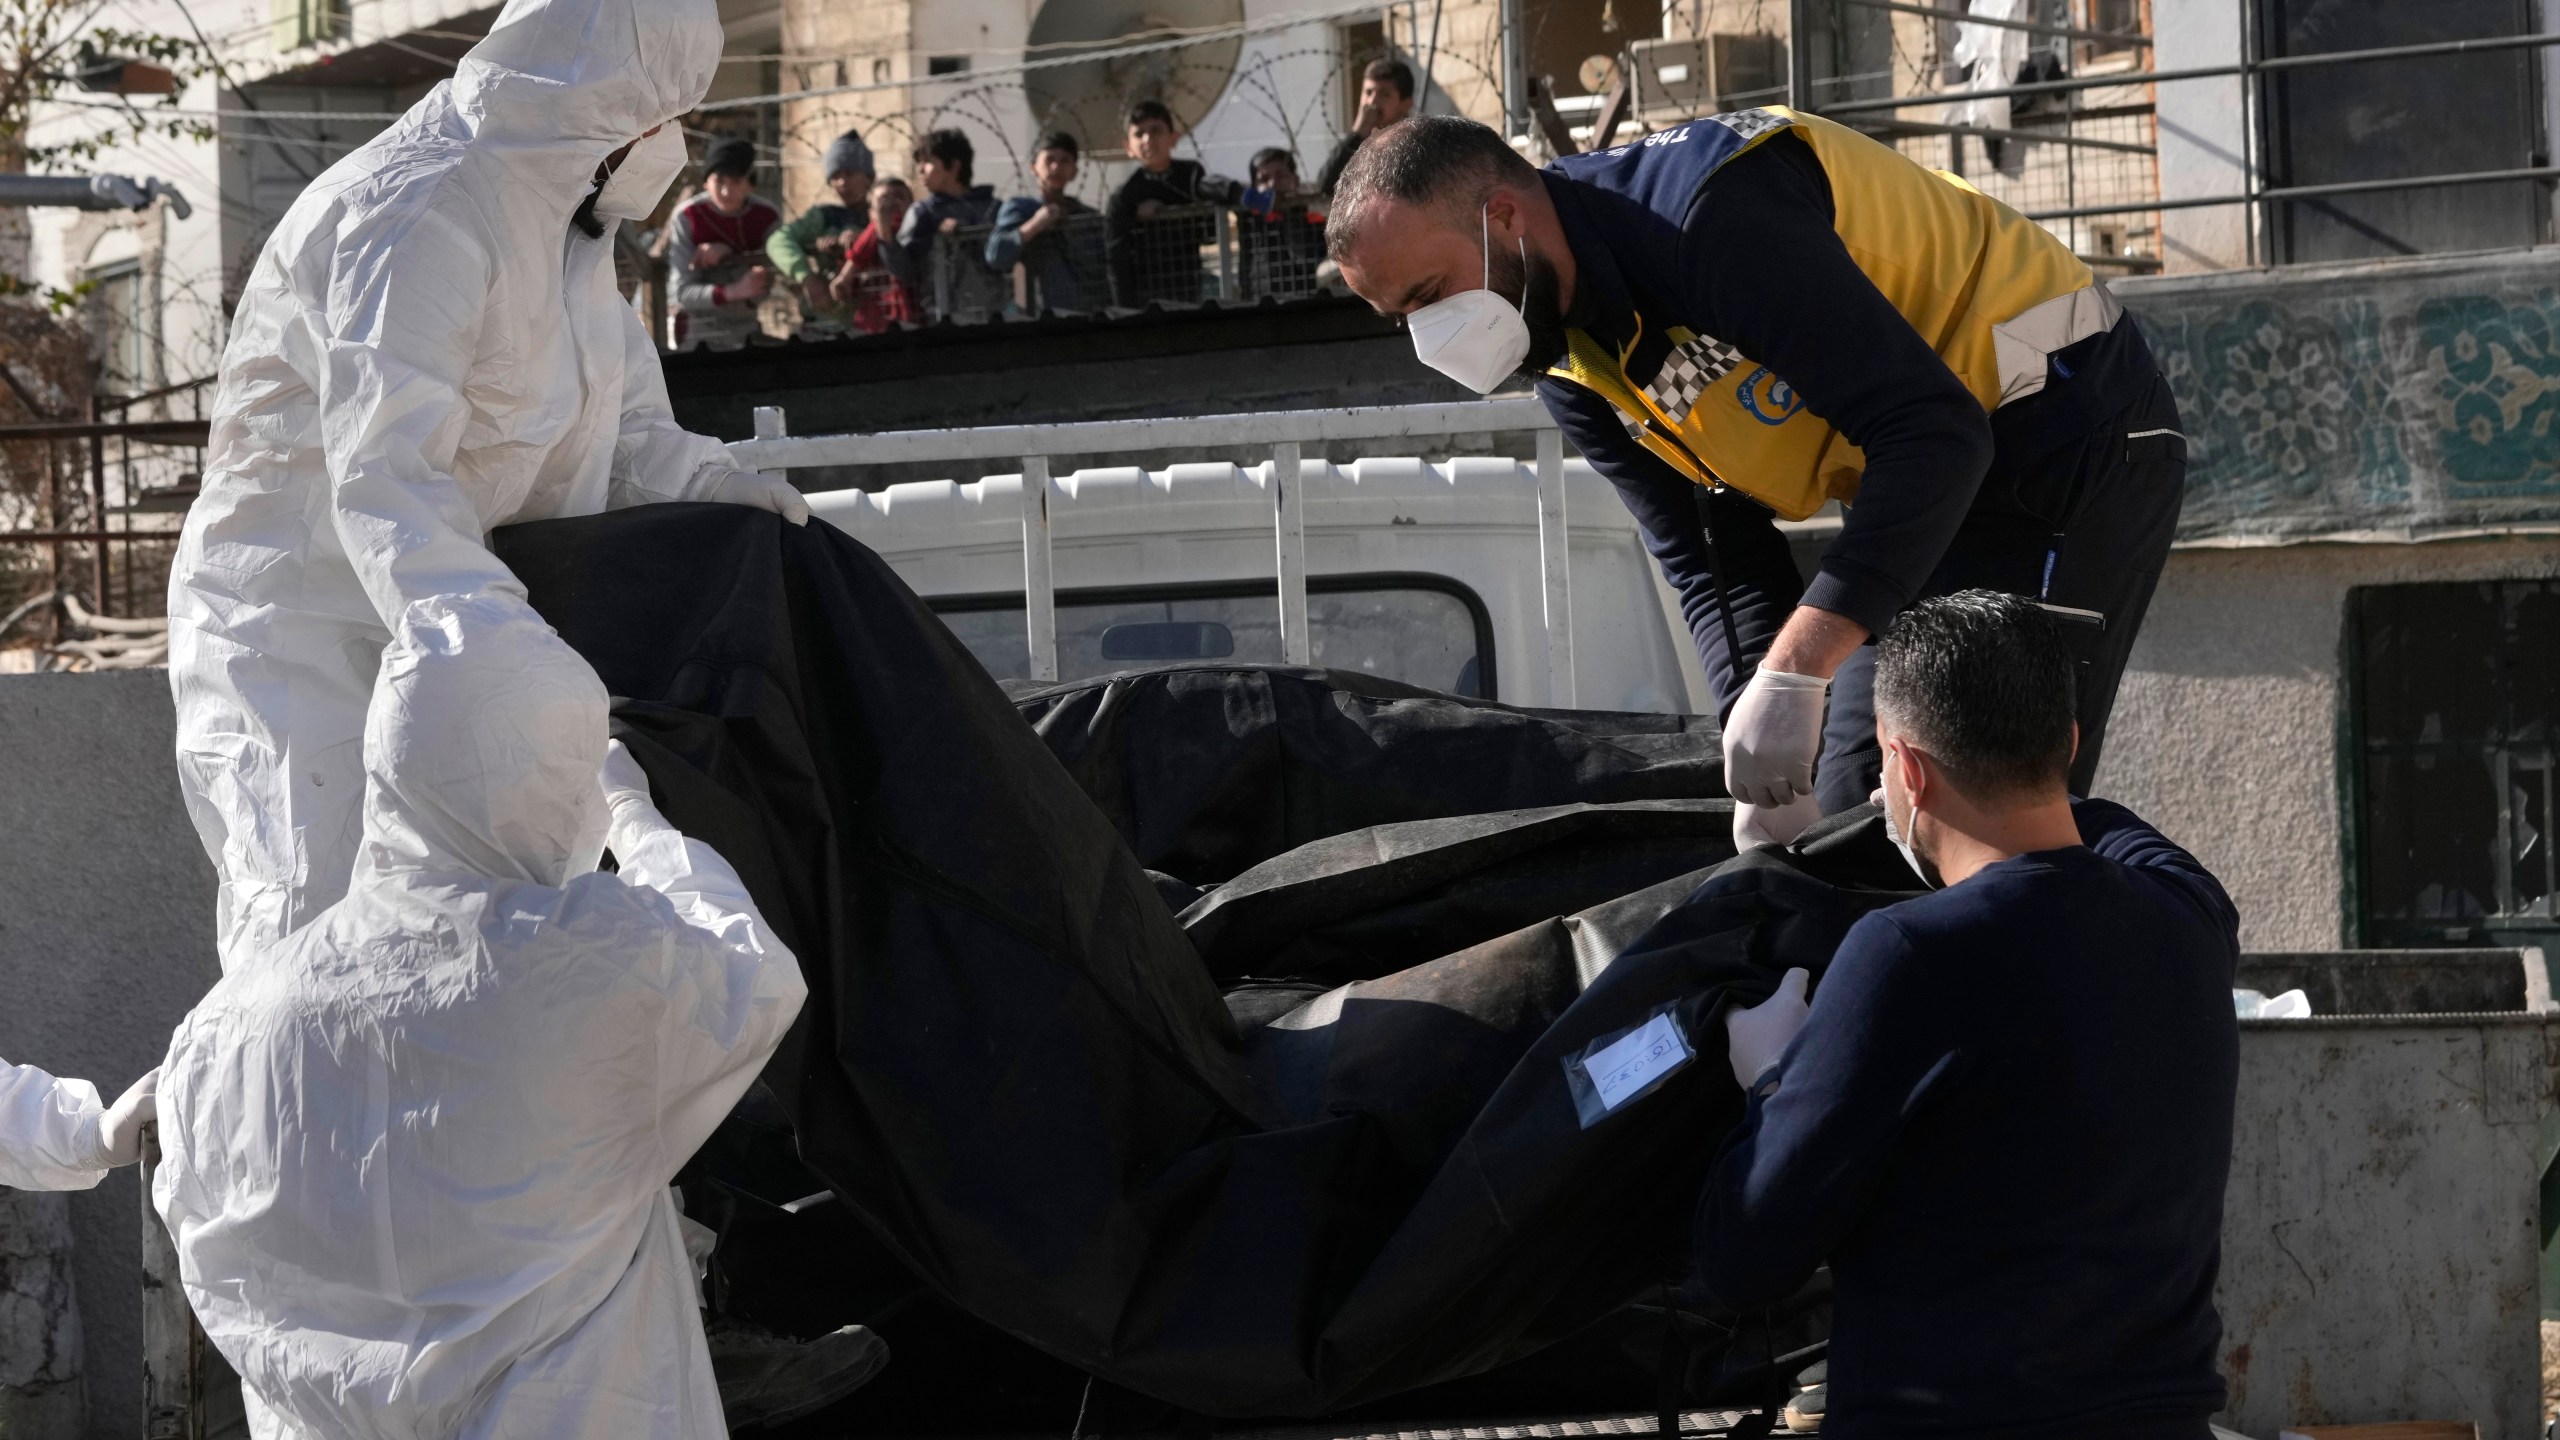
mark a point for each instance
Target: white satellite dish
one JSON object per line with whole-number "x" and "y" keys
{"x": 1087, "y": 100}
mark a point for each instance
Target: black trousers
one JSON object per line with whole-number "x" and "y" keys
{"x": 2087, "y": 526}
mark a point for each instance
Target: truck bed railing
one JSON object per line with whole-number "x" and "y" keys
{"x": 1285, "y": 432}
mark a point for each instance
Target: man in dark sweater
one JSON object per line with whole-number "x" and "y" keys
{"x": 2005, "y": 1120}
{"x": 1155, "y": 255}
{"x": 1052, "y": 236}
{"x": 1744, "y": 318}
{"x": 932, "y": 258}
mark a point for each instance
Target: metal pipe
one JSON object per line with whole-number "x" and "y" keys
{"x": 2032, "y": 137}
{"x": 2304, "y": 192}
{"x": 1555, "y": 570}
{"x": 1515, "y": 68}
{"x": 1430, "y": 57}
{"x": 163, "y": 432}
{"x": 1039, "y": 580}
{"x": 2198, "y": 72}
{"x": 771, "y": 425}
{"x": 1799, "y": 56}
{"x": 172, "y": 1345}
{"x": 98, "y": 507}
{"x": 127, "y": 402}
{"x": 1089, "y": 437}
{"x": 2253, "y": 134}
{"x": 1289, "y": 535}
{"x": 89, "y": 192}
{"x": 2062, "y": 32}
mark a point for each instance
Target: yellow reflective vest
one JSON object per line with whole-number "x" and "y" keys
{"x": 1992, "y": 292}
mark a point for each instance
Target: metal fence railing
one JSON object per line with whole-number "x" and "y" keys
{"x": 2337, "y": 146}
{"x": 89, "y": 520}
{"x": 1177, "y": 256}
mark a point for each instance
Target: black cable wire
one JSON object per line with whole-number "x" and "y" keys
{"x": 1724, "y": 597}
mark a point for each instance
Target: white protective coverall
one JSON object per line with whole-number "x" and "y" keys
{"x": 49, "y": 1136}
{"x": 416, "y": 1153}
{"x": 425, "y": 350}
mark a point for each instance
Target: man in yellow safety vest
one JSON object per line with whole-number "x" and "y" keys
{"x": 1739, "y": 319}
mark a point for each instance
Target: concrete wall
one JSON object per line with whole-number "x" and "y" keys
{"x": 2204, "y": 144}
{"x": 106, "y": 939}
{"x": 2226, "y": 731}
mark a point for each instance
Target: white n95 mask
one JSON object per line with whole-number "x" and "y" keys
{"x": 637, "y": 185}
{"x": 1901, "y": 839}
{"x": 1475, "y": 337}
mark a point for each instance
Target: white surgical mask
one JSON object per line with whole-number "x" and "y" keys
{"x": 637, "y": 185}
{"x": 1896, "y": 832}
{"x": 1475, "y": 337}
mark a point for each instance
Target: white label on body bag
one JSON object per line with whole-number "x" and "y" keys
{"x": 1627, "y": 1067}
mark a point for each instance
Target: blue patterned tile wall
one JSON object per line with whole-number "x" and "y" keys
{"x": 2415, "y": 396}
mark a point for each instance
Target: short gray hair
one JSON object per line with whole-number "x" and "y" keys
{"x": 1424, "y": 160}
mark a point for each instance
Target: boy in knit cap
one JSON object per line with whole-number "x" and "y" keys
{"x": 808, "y": 252}
{"x": 715, "y": 251}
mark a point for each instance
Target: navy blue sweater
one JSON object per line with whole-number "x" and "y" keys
{"x": 2007, "y": 1126}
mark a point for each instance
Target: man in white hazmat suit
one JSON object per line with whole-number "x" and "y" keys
{"x": 428, "y": 348}
{"x": 416, "y": 1154}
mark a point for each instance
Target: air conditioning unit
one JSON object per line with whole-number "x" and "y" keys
{"x": 1676, "y": 79}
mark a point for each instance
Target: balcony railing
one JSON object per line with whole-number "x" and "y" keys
{"x": 2063, "y": 123}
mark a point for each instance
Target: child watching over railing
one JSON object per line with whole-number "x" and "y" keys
{"x": 716, "y": 251}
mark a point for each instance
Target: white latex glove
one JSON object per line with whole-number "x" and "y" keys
{"x": 1774, "y": 737}
{"x": 626, "y": 785}
{"x": 765, "y": 492}
{"x": 1779, "y": 825}
{"x": 120, "y": 1128}
{"x": 1754, "y": 1038}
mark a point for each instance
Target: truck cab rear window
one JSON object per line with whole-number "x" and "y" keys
{"x": 1433, "y": 634}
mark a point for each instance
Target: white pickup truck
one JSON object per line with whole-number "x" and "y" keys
{"x": 1438, "y": 574}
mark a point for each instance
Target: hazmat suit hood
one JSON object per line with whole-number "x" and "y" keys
{"x": 416, "y": 1152}
{"x": 481, "y": 752}
{"x": 560, "y": 84}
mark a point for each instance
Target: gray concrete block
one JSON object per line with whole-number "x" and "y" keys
{"x": 106, "y": 940}
{"x": 40, "y": 1342}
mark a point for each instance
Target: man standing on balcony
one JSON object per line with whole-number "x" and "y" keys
{"x": 1386, "y": 96}
{"x": 932, "y": 258}
{"x": 1159, "y": 220}
{"x": 1052, "y": 236}
{"x": 1743, "y": 318}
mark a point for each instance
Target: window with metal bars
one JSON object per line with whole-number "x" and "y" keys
{"x": 2402, "y": 118}
{"x": 2454, "y": 705}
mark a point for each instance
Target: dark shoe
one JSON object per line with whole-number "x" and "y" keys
{"x": 1804, "y": 1413}
{"x": 768, "y": 1379}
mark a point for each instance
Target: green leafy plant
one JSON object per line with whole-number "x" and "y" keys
{"x": 45, "y": 44}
